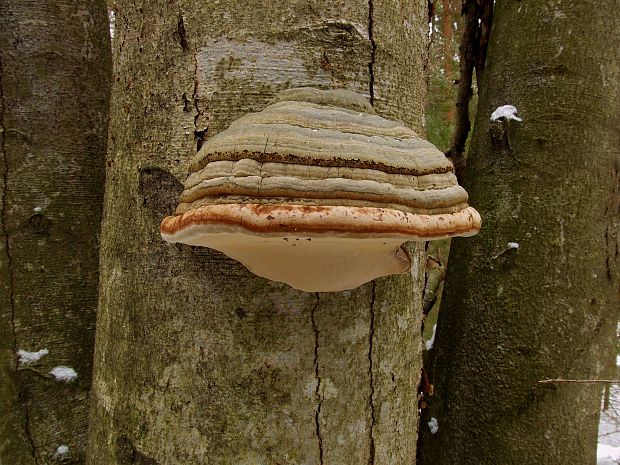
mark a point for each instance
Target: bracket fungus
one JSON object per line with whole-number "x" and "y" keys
{"x": 319, "y": 192}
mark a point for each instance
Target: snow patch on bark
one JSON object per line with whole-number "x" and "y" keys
{"x": 433, "y": 425}
{"x": 26, "y": 357}
{"x": 505, "y": 111}
{"x": 62, "y": 451}
{"x": 63, "y": 373}
{"x": 431, "y": 341}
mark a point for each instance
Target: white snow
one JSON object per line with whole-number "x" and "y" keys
{"x": 607, "y": 455}
{"x": 61, "y": 451}
{"x": 609, "y": 430}
{"x": 431, "y": 341}
{"x": 26, "y": 357}
{"x": 505, "y": 111}
{"x": 513, "y": 245}
{"x": 433, "y": 425}
{"x": 112, "y": 21}
{"x": 62, "y": 373}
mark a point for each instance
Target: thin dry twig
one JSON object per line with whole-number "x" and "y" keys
{"x": 579, "y": 381}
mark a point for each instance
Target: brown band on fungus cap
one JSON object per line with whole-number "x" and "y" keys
{"x": 248, "y": 167}
{"x": 308, "y": 133}
{"x": 315, "y": 249}
{"x": 319, "y": 192}
{"x": 308, "y": 159}
{"x": 262, "y": 182}
{"x": 286, "y": 143}
{"x": 354, "y": 222}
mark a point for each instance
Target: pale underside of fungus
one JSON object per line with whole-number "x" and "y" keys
{"x": 319, "y": 192}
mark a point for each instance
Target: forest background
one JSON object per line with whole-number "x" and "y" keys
{"x": 43, "y": 402}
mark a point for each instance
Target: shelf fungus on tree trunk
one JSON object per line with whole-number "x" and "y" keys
{"x": 319, "y": 192}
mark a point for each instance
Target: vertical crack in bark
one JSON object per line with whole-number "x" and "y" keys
{"x": 199, "y": 134}
{"x": 10, "y": 274}
{"x": 371, "y": 403}
{"x": 317, "y": 392}
{"x": 195, "y": 94}
{"x": 373, "y": 54}
{"x": 607, "y": 254}
{"x": 33, "y": 448}
{"x": 611, "y": 238}
{"x": 5, "y": 190}
{"x": 182, "y": 33}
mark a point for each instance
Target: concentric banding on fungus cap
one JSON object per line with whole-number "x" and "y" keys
{"x": 322, "y": 168}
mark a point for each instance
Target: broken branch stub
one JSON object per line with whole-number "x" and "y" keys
{"x": 319, "y": 192}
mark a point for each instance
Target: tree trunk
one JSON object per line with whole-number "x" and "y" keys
{"x": 54, "y": 90}
{"x": 546, "y": 308}
{"x": 197, "y": 360}
{"x": 446, "y": 35}
{"x": 448, "y": 50}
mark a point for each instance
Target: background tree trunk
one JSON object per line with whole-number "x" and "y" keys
{"x": 54, "y": 90}
{"x": 547, "y": 309}
{"x": 441, "y": 75}
{"x": 448, "y": 49}
{"x": 197, "y": 360}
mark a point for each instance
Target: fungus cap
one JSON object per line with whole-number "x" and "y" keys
{"x": 319, "y": 192}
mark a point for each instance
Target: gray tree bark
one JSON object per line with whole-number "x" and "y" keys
{"x": 54, "y": 92}
{"x": 197, "y": 360}
{"x": 547, "y": 309}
